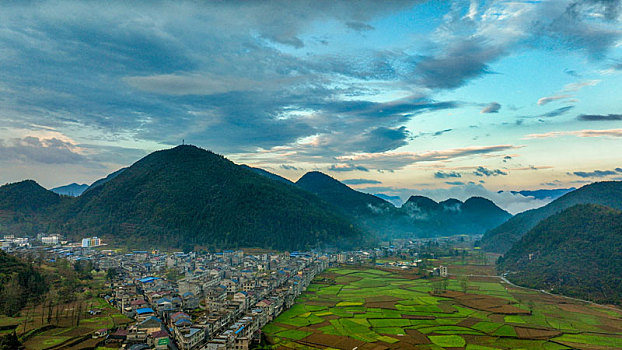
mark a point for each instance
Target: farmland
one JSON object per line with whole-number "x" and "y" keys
{"x": 372, "y": 308}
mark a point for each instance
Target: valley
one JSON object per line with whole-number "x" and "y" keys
{"x": 374, "y": 307}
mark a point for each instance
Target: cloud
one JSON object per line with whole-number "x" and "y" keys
{"x": 361, "y": 182}
{"x": 462, "y": 61}
{"x": 579, "y": 133}
{"x": 347, "y": 167}
{"x": 40, "y": 150}
{"x": 545, "y": 100}
{"x": 289, "y": 167}
{"x": 455, "y": 183}
{"x": 441, "y": 132}
{"x": 599, "y": 117}
{"x": 359, "y": 26}
{"x": 556, "y": 112}
{"x": 492, "y": 107}
{"x": 566, "y": 93}
{"x": 398, "y": 160}
{"x": 481, "y": 171}
{"x": 596, "y": 173}
{"x": 444, "y": 175}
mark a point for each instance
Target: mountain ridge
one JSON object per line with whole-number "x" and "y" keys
{"x": 576, "y": 252}
{"x": 501, "y": 238}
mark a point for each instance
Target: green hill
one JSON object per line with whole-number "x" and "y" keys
{"x": 501, "y": 238}
{"x": 188, "y": 196}
{"x": 25, "y": 207}
{"x": 577, "y": 252}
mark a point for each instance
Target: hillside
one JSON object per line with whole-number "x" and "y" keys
{"x": 188, "y": 196}
{"x": 25, "y": 207}
{"x": 19, "y": 283}
{"x": 26, "y": 196}
{"x": 352, "y": 202}
{"x": 501, "y": 238}
{"x": 577, "y": 252}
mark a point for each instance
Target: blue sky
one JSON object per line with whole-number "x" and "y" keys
{"x": 446, "y": 99}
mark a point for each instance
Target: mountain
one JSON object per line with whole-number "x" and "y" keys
{"x": 474, "y": 216}
{"x": 26, "y": 197}
{"x": 501, "y": 238}
{"x": 419, "y": 217}
{"x": 544, "y": 193}
{"x": 577, "y": 252}
{"x": 72, "y": 190}
{"x": 188, "y": 196}
{"x": 340, "y": 195}
{"x": 268, "y": 174}
{"x": 104, "y": 180}
{"x": 395, "y": 200}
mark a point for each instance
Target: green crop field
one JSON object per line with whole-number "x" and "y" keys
{"x": 396, "y": 311}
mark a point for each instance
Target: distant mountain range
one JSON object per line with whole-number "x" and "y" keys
{"x": 500, "y": 239}
{"x": 577, "y": 252}
{"x": 72, "y": 190}
{"x": 418, "y": 217}
{"x": 187, "y": 196}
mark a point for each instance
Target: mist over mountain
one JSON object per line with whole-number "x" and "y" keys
{"x": 419, "y": 217}
{"x": 576, "y": 252}
{"x": 500, "y": 239}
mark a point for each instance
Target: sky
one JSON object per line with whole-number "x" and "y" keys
{"x": 440, "y": 98}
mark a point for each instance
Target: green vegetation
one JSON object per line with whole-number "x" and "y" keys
{"x": 185, "y": 197}
{"x": 577, "y": 252}
{"x": 20, "y": 283}
{"x": 500, "y": 239}
{"x": 390, "y": 307}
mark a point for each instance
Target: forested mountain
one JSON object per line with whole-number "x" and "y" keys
{"x": 501, "y": 238}
{"x": 418, "y": 217}
{"x": 27, "y": 197}
{"x": 25, "y": 207}
{"x": 104, "y": 180}
{"x": 190, "y": 196}
{"x": 352, "y": 202}
{"x": 267, "y": 174}
{"x": 19, "y": 282}
{"x": 577, "y": 252}
{"x": 452, "y": 216}
{"x": 73, "y": 189}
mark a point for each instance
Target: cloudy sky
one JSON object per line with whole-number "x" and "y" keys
{"x": 443, "y": 98}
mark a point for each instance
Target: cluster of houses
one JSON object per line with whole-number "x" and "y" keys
{"x": 220, "y": 301}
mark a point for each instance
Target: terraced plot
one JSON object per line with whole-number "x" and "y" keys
{"x": 377, "y": 309}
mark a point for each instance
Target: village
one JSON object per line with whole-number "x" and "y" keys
{"x": 206, "y": 300}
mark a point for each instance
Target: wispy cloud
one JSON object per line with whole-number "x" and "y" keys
{"x": 597, "y": 173}
{"x": 579, "y": 133}
{"x": 482, "y": 171}
{"x": 361, "y": 182}
{"x": 398, "y": 160}
{"x": 599, "y": 117}
{"x": 445, "y": 175}
{"x": 347, "y": 167}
